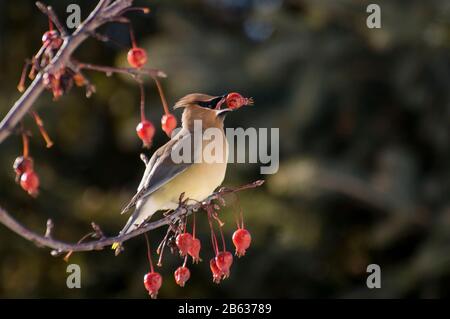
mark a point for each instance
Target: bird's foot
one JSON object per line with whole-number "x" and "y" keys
{"x": 117, "y": 247}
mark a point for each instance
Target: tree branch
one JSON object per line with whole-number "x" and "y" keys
{"x": 104, "y": 12}
{"x": 61, "y": 246}
{"x": 48, "y": 10}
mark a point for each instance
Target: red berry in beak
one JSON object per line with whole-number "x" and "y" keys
{"x": 137, "y": 57}
{"x": 184, "y": 243}
{"x": 241, "y": 240}
{"x": 224, "y": 260}
{"x": 168, "y": 123}
{"x": 235, "y": 100}
{"x": 182, "y": 274}
{"x": 29, "y": 181}
{"x": 152, "y": 282}
{"x": 194, "y": 250}
{"x": 217, "y": 274}
{"x": 145, "y": 130}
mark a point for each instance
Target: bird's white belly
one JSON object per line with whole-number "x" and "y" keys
{"x": 197, "y": 183}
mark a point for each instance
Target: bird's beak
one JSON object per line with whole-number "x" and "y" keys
{"x": 223, "y": 112}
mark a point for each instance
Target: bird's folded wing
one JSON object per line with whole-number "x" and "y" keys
{"x": 161, "y": 168}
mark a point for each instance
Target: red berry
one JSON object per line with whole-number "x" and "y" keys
{"x": 168, "y": 123}
{"x": 182, "y": 274}
{"x": 137, "y": 57}
{"x": 184, "y": 243}
{"x": 152, "y": 282}
{"x": 49, "y": 36}
{"x": 29, "y": 181}
{"x": 145, "y": 130}
{"x": 52, "y": 37}
{"x": 22, "y": 164}
{"x": 241, "y": 240}
{"x": 235, "y": 100}
{"x": 224, "y": 260}
{"x": 217, "y": 274}
{"x": 194, "y": 250}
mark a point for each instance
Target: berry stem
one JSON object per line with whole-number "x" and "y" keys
{"x": 185, "y": 260}
{"x": 223, "y": 239}
{"x": 241, "y": 216}
{"x": 132, "y": 38}
{"x": 50, "y": 24}
{"x": 161, "y": 94}
{"x": 25, "y": 145}
{"x": 141, "y": 88}
{"x": 213, "y": 235}
{"x": 149, "y": 256}
{"x": 67, "y": 256}
{"x": 40, "y": 124}
{"x": 162, "y": 245}
{"x": 237, "y": 220}
{"x": 144, "y": 10}
{"x": 21, "y": 85}
{"x": 193, "y": 225}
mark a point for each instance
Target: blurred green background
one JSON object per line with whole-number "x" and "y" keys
{"x": 364, "y": 145}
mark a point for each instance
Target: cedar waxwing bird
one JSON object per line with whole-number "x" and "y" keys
{"x": 165, "y": 179}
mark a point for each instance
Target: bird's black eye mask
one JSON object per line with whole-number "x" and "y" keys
{"x": 211, "y": 104}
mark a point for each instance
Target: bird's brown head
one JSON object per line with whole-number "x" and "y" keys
{"x": 208, "y": 108}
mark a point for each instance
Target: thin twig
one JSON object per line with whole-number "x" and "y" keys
{"x": 48, "y": 10}
{"x": 103, "y": 13}
{"x": 49, "y": 228}
{"x": 129, "y": 71}
{"x": 161, "y": 94}
{"x": 60, "y": 246}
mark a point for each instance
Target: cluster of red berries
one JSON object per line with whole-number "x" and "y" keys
{"x": 25, "y": 174}
{"x": 188, "y": 245}
{"x": 58, "y": 82}
{"x": 137, "y": 58}
{"x": 61, "y": 81}
{"x": 220, "y": 265}
{"x": 146, "y": 130}
{"x": 24, "y": 165}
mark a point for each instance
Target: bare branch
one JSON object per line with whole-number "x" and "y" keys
{"x": 104, "y": 12}
{"x": 131, "y": 71}
{"x": 48, "y": 10}
{"x": 49, "y": 229}
{"x": 60, "y": 246}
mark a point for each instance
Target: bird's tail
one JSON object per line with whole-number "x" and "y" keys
{"x": 140, "y": 215}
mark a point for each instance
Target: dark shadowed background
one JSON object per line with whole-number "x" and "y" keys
{"x": 364, "y": 145}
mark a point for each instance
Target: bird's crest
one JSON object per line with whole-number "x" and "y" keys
{"x": 192, "y": 99}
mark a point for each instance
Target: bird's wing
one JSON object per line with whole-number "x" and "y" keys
{"x": 161, "y": 168}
